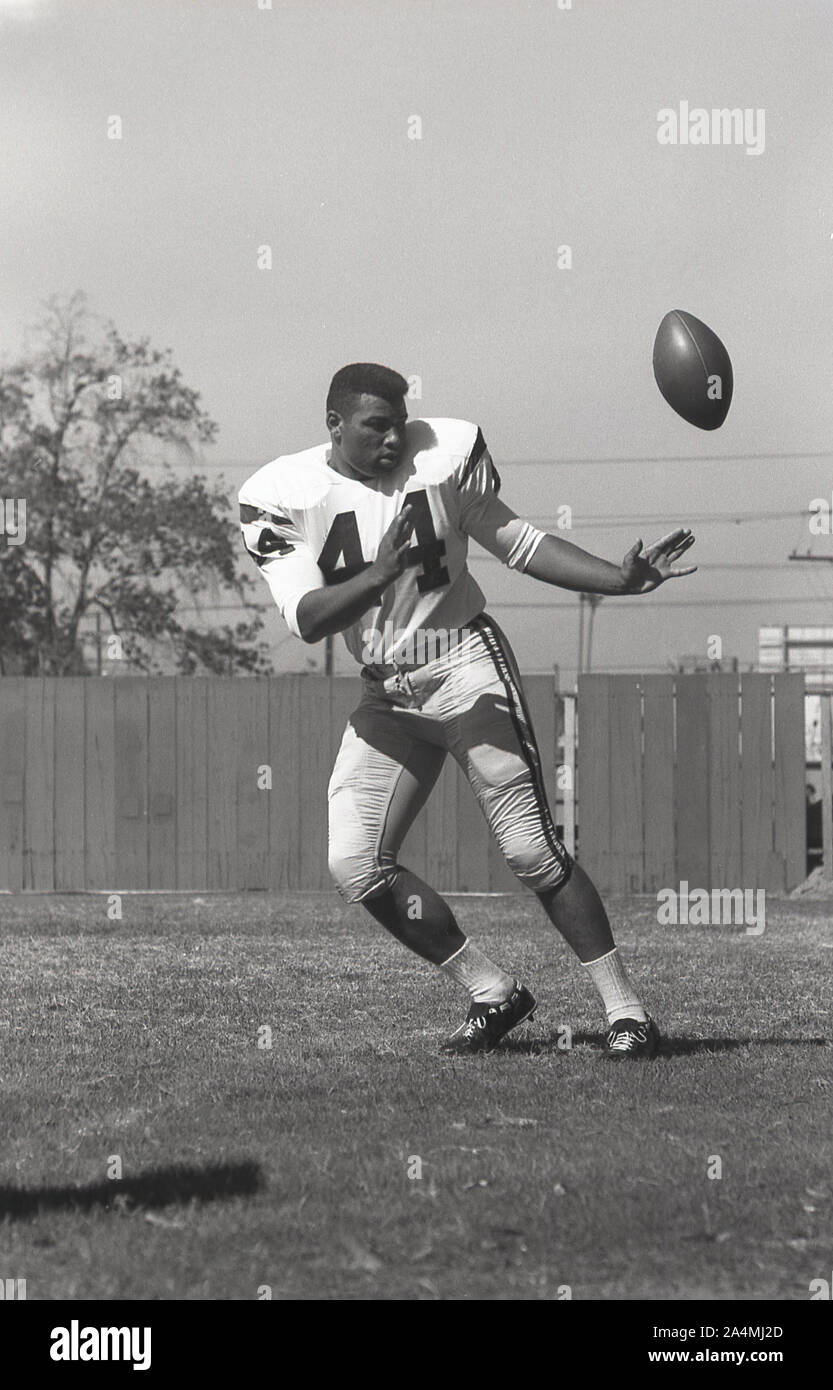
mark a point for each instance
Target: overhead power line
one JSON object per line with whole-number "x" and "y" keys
{"x": 715, "y": 602}
{"x": 582, "y": 459}
{"x": 609, "y": 520}
{"x": 703, "y": 566}
{"x": 663, "y": 458}
{"x": 682, "y": 603}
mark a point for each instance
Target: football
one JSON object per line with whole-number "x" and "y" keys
{"x": 693, "y": 370}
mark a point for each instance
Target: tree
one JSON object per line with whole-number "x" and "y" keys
{"x": 87, "y": 430}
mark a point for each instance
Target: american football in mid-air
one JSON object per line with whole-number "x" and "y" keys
{"x": 693, "y": 370}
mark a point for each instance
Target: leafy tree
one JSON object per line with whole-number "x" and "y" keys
{"x": 86, "y": 432}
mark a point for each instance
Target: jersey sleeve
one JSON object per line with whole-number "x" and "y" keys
{"x": 477, "y": 481}
{"x": 277, "y": 546}
{"x": 485, "y": 517}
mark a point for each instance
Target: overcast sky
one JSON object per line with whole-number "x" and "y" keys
{"x": 289, "y": 128}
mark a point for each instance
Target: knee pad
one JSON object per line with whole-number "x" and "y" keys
{"x": 539, "y": 867}
{"x": 359, "y": 873}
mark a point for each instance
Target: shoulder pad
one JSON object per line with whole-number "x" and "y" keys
{"x": 290, "y": 482}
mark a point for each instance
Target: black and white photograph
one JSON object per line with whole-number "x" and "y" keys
{"x": 416, "y": 664}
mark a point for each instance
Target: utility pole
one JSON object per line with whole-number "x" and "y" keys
{"x": 593, "y": 601}
{"x": 328, "y": 655}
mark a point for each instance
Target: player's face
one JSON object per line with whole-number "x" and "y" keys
{"x": 370, "y": 440}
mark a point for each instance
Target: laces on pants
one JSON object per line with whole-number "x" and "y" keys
{"x": 404, "y": 686}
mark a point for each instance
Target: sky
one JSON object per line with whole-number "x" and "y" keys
{"x": 290, "y": 126}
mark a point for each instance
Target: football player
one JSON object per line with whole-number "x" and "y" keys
{"x": 368, "y": 535}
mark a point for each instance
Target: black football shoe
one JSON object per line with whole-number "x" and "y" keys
{"x": 486, "y": 1024}
{"x": 629, "y": 1037}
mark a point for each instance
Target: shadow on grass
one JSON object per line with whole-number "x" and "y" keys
{"x": 159, "y": 1187}
{"x": 684, "y": 1047}
{"x": 669, "y": 1047}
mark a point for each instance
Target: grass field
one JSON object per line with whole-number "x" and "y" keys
{"x": 541, "y": 1167}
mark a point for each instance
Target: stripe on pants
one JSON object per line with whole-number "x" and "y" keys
{"x": 522, "y": 723}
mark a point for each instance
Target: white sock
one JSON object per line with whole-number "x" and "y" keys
{"x": 614, "y": 985}
{"x": 485, "y": 981}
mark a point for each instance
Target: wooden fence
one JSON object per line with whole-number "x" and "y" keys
{"x": 698, "y": 778}
{"x": 154, "y": 783}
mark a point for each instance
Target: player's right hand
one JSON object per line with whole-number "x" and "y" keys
{"x": 393, "y": 547}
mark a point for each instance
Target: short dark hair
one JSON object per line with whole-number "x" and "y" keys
{"x": 364, "y": 378}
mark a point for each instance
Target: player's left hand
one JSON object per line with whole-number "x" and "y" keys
{"x": 645, "y": 570}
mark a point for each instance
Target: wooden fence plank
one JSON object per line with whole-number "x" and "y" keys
{"x": 790, "y": 777}
{"x": 223, "y": 755}
{"x": 691, "y": 781}
{"x": 724, "y": 781}
{"x": 253, "y": 800}
{"x": 760, "y": 867}
{"x": 12, "y": 772}
{"x": 313, "y": 736}
{"x": 130, "y": 772}
{"x": 826, "y": 713}
{"x": 593, "y": 840}
{"x": 69, "y": 783}
{"x": 39, "y": 787}
{"x": 659, "y": 864}
{"x": 626, "y": 856}
{"x": 192, "y": 754}
{"x": 285, "y": 757}
{"x": 162, "y": 792}
{"x": 99, "y": 785}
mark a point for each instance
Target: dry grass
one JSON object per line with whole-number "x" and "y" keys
{"x": 288, "y": 1167}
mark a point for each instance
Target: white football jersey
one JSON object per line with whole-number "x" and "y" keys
{"x": 307, "y": 526}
